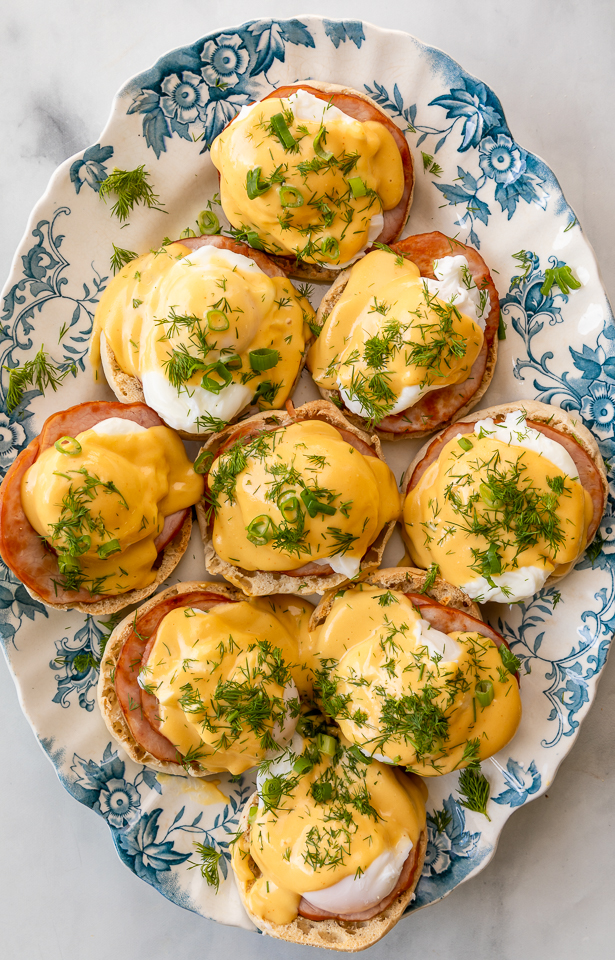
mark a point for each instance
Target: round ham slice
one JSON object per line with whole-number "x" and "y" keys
{"x": 589, "y": 475}
{"x": 22, "y": 549}
{"x": 226, "y": 243}
{"x": 363, "y": 109}
{"x": 406, "y": 879}
{"x": 139, "y": 707}
{"x": 438, "y": 406}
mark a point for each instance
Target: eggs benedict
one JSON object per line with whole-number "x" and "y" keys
{"x": 505, "y": 501}
{"x": 313, "y": 174}
{"x": 202, "y": 680}
{"x": 201, "y": 329}
{"x": 409, "y": 680}
{"x": 295, "y": 502}
{"x": 332, "y": 844}
{"x": 96, "y": 512}
{"x": 408, "y": 336}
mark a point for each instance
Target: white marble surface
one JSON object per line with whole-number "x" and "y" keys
{"x": 549, "y": 891}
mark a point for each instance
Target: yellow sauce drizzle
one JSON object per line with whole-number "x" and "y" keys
{"x": 225, "y": 311}
{"x": 490, "y": 482}
{"x": 307, "y": 205}
{"x": 251, "y": 490}
{"x": 304, "y": 845}
{"x": 219, "y": 677}
{"x": 387, "y": 333}
{"x": 142, "y": 477}
{"x": 399, "y": 699}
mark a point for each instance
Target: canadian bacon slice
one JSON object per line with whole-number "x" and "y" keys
{"x": 22, "y": 549}
{"x": 138, "y": 706}
{"x": 438, "y": 406}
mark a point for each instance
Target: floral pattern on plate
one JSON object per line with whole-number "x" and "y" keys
{"x": 499, "y": 197}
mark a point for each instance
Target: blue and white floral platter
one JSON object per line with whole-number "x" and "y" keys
{"x": 474, "y": 182}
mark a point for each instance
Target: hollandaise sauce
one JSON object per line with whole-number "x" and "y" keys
{"x": 409, "y": 694}
{"x": 206, "y": 331}
{"x": 298, "y": 495}
{"x": 300, "y": 177}
{"x": 393, "y": 335}
{"x": 227, "y": 680}
{"x": 100, "y": 500}
{"x": 498, "y": 511}
{"x": 331, "y": 826}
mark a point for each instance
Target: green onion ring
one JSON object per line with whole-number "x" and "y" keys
{"x": 203, "y": 462}
{"x": 208, "y": 223}
{"x": 358, "y": 187}
{"x": 106, "y": 549}
{"x": 290, "y": 196}
{"x": 263, "y": 359}
{"x": 484, "y": 692}
{"x": 68, "y": 446}
{"x": 217, "y": 320}
{"x": 260, "y": 530}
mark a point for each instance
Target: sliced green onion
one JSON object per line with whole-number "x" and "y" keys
{"x": 188, "y": 232}
{"x": 358, "y": 754}
{"x": 492, "y": 564}
{"x": 280, "y": 128}
{"x": 234, "y": 362}
{"x": 106, "y": 549}
{"x": 81, "y": 545}
{"x": 251, "y": 237}
{"x": 252, "y": 814}
{"x": 358, "y": 187}
{"x": 501, "y": 329}
{"x": 291, "y": 196}
{"x": 314, "y": 506}
{"x": 487, "y": 494}
{"x": 465, "y": 444}
{"x": 331, "y": 248}
{"x": 302, "y": 765}
{"x": 319, "y": 150}
{"x": 260, "y": 530}
{"x": 203, "y": 462}
{"x": 69, "y": 446}
{"x": 326, "y": 744}
{"x": 484, "y": 692}
{"x": 288, "y": 505}
{"x": 208, "y": 223}
{"x": 322, "y": 792}
{"x": 271, "y": 789}
{"x": 216, "y": 320}
{"x": 254, "y": 185}
{"x": 68, "y": 564}
{"x": 214, "y": 386}
{"x": 263, "y": 359}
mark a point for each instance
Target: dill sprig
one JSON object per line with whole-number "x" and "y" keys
{"x": 474, "y": 789}
{"x": 120, "y": 257}
{"x": 209, "y": 864}
{"x": 130, "y": 187}
{"x": 40, "y": 372}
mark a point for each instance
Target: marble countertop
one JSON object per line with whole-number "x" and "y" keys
{"x": 548, "y": 892}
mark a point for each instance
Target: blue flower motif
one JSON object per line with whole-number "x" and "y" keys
{"x": 12, "y": 439}
{"x": 607, "y": 532}
{"x": 502, "y": 159}
{"x": 225, "y": 59}
{"x": 438, "y": 852}
{"x": 599, "y": 409}
{"x": 119, "y": 803}
{"x": 522, "y": 784}
{"x": 91, "y": 168}
{"x": 183, "y": 99}
{"x": 144, "y": 855}
{"x": 471, "y": 103}
{"x": 453, "y": 843}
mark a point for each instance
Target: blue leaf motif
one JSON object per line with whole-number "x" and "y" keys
{"x": 156, "y": 131}
{"x": 339, "y": 31}
{"x": 26, "y": 605}
{"x": 586, "y": 363}
{"x": 521, "y": 784}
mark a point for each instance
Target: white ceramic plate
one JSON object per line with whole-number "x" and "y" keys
{"x": 473, "y": 181}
